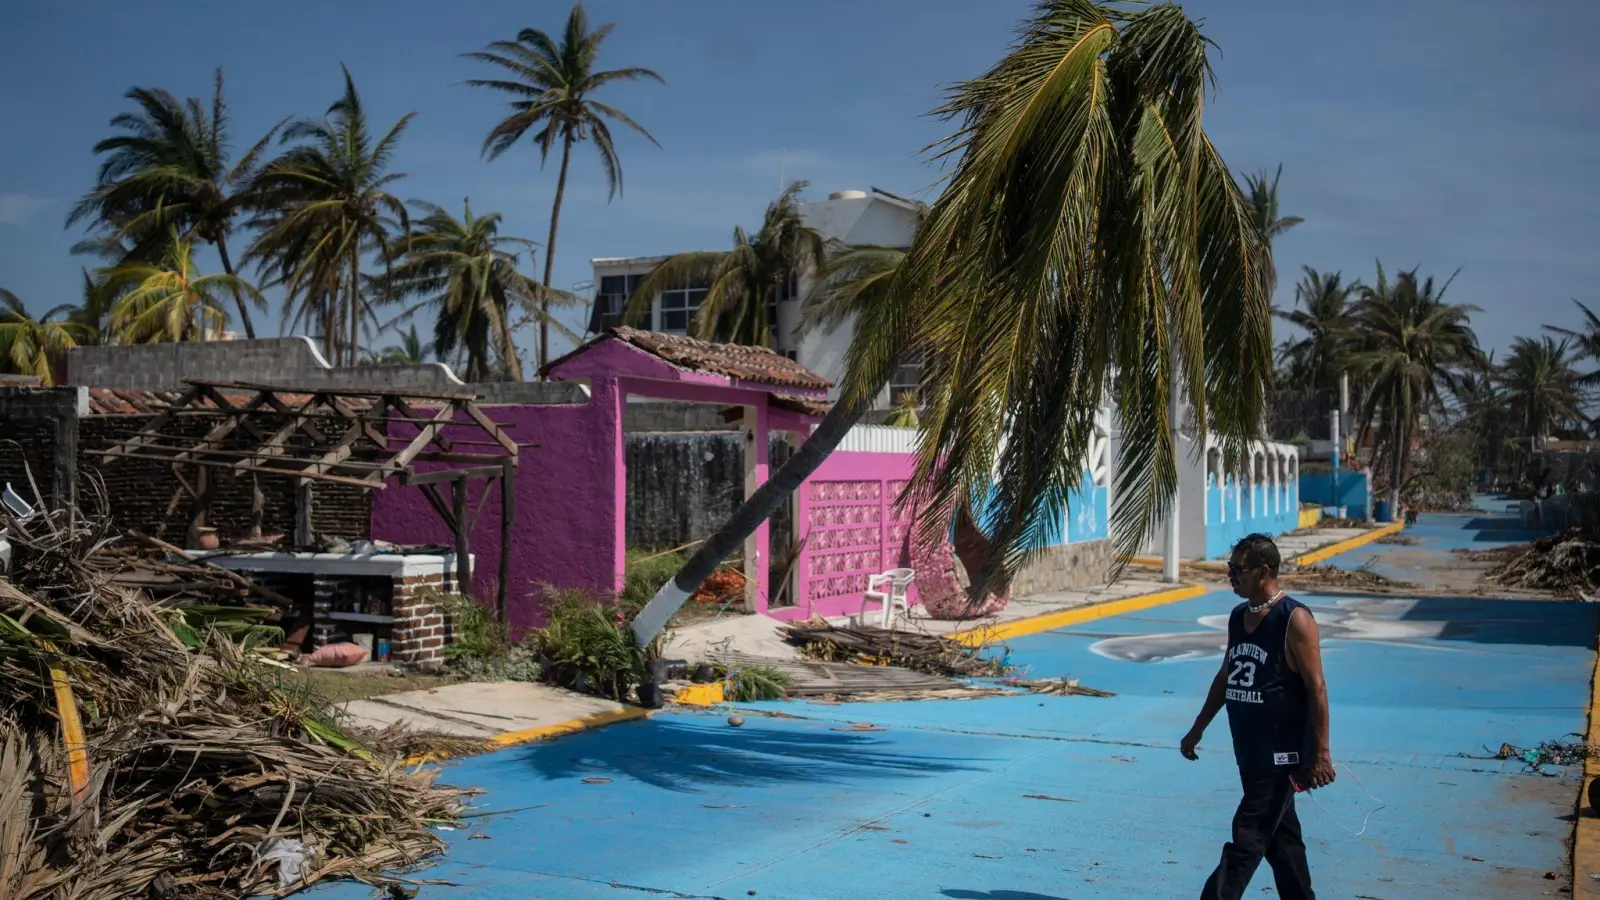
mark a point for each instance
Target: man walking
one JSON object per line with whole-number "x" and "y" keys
{"x": 1271, "y": 681}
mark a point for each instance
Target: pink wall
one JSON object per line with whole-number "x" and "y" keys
{"x": 567, "y": 518}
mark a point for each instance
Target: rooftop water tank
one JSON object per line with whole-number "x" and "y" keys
{"x": 848, "y": 195}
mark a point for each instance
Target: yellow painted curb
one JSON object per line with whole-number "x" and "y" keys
{"x": 701, "y": 694}
{"x": 1586, "y": 836}
{"x": 1206, "y": 564}
{"x": 1360, "y": 540}
{"x": 1310, "y": 517}
{"x": 1076, "y": 616}
{"x": 546, "y": 732}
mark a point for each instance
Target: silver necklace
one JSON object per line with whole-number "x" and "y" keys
{"x": 1273, "y": 599}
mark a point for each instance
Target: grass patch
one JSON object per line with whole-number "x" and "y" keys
{"x": 342, "y": 686}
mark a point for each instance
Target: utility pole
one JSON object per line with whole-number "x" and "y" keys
{"x": 1169, "y": 560}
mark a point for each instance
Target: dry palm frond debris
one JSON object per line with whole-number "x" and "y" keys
{"x": 1567, "y": 563}
{"x": 198, "y": 772}
{"x": 1548, "y": 753}
{"x": 1065, "y": 687}
{"x": 1331, "y": 576}
{"x": 929, "y": 653}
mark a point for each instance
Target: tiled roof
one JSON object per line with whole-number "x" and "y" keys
{"x": 753, "y": 364}
{"x": 120, "y": 402}
{"x": 810, "y": 406}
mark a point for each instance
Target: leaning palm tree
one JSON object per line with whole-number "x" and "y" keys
{"x": 170, "y": 300}
{"x": 1411, "y": 344}
{"x": 742, "y": 284}
{"x": 1088, "y": 227}
{"x": 169, "y": 171}
{"x": 321, "y": 207}
{"x": 32, "y": 346}
{"x": 1323, "y": 314}
{"x": 553, "y": 83}
{"x": 465, "y": 271}
{"x": 1541, "y": 387}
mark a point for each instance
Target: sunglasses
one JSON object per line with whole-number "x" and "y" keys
{"x": 1235, "y": 570}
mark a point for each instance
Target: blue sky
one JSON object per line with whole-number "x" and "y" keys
{"x": 1426, "y": 133}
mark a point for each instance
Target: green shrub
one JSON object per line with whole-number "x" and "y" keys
{"x": 474, "y": 632}
{"x": 586, "y": 644}
{"x": 645, "y": 574}
{"x": 753, "y": 683}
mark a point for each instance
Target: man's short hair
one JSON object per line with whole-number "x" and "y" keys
{"x": 1259, "y": 550}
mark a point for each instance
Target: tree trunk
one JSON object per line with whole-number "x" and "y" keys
{"x": 355, "y": 306}
{"x": 766, "y": 500}
{"x": 238, "y": 295}
{"x": 513, "y": 364}
{"x": 550, "y": 255}
{"x": 1401, "y": 437}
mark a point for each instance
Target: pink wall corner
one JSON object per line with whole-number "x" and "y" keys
{"x": 568, "y": 523}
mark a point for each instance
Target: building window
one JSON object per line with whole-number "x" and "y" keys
{"x": 907, "y": 378}
{"x": 793, "y": 355}
{"x": 611, "y": 301}
{"x": 678, "y": 307}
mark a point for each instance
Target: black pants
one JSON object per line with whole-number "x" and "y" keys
{"x": 1264, "y": 826}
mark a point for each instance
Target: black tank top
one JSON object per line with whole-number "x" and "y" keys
{"x": 1266, "y": 699}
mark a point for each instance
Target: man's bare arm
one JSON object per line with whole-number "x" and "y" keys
{"x": 1305, "y": 654}
{"x": 1215, "y": 697}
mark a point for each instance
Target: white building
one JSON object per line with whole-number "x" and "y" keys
{"x": 872, "y": 217}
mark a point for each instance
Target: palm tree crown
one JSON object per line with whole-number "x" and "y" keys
{"x": 323, "y": 205}
{"x": 169, "y": 300}
{"x": 1264, "y": 204}
{"x": 1323, "y": 300}
{"x": 30, "y": 346}
{"x": 169, "y": 171}
{"x": 552, "y": 83}
{"x": 1541, "y": 387}
{"x": 742, "y": 285}
{"x": 466, "y": 272}
{"x": 1585, "y": 340}
{"x": 1412, "y": 343}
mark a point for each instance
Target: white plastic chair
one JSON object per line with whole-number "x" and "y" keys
{"x": 896, "y": 581}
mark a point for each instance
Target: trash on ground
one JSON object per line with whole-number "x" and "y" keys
{"x": 929, "y": 653}
{"x": 1059, "y": 686}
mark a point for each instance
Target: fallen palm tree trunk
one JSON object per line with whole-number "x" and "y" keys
{"x": 196, "y": 772}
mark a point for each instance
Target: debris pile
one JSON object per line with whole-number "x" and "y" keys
{"x": 919, "y": 652}
{"x": 1548, "y": 753}
{"x": 140, "y": 757}
{"x": 1567, "y": 563}
{"x": 1331, "y": 576}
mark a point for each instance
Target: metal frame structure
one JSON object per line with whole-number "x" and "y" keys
{"x": 338, "y": 436}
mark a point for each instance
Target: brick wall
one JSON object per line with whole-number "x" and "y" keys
{"x": 421, "y": 629}
{"x": 140, "y": 491}
{"x": 38, "y": 436}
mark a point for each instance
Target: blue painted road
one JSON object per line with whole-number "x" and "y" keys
{"x": 1435, "y": 535}
{"x": 1060, "y": 798}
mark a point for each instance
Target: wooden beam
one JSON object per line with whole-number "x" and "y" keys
{"x": 302, "y": 513}
{"x": 472, "y": 410}
{"x": 508, "y": 506}
{"x": 458, "y": 511}
{"x": 332, "y": 392}
{"x": 408, "y": 477}
{"x": 134, "y": 442}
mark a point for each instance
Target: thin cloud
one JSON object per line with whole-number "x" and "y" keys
{"x": 17, "y": 209}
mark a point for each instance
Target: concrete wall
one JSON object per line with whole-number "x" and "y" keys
{"x": 684, "y": 485}
{"x": 292, "y": 361}
{"x": 39, "y": 439}
{"x": 1350, "y": 490}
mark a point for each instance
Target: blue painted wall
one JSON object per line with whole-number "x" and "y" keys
{"x": 1317, "y": 486}
{"x": 1088, "y": 508}
{"x": 1278, "y": 512}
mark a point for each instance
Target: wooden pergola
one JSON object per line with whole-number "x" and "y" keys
{"x": 339, "y": 436}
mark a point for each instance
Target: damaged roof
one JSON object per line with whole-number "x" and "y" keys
{"x": 121, "y": 402}
{"x": 753, "y": 364}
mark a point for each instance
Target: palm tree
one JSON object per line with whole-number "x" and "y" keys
{"x": 411, "y": 351}
{"x": 1088, "y": 227}
{"x": 1318, "y": 358}
{"x": 1264, "y": 201}
{"x": 464, "y": 270}
{"x": 170, "y": 170}
{"x": 1541, "y": 387}
{"x": 1585, "y": 340}
{"x": 321, "y": 206}
{"x": 1484, "y": 411}
{"x": 904, "y": 414}
{"x": 30, "y": 346}
{"x": 169, "y": 300}
{"x": 1411, "y": 343}
{"x": 742, "y": 284}
{"x": 553, "y": 83}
